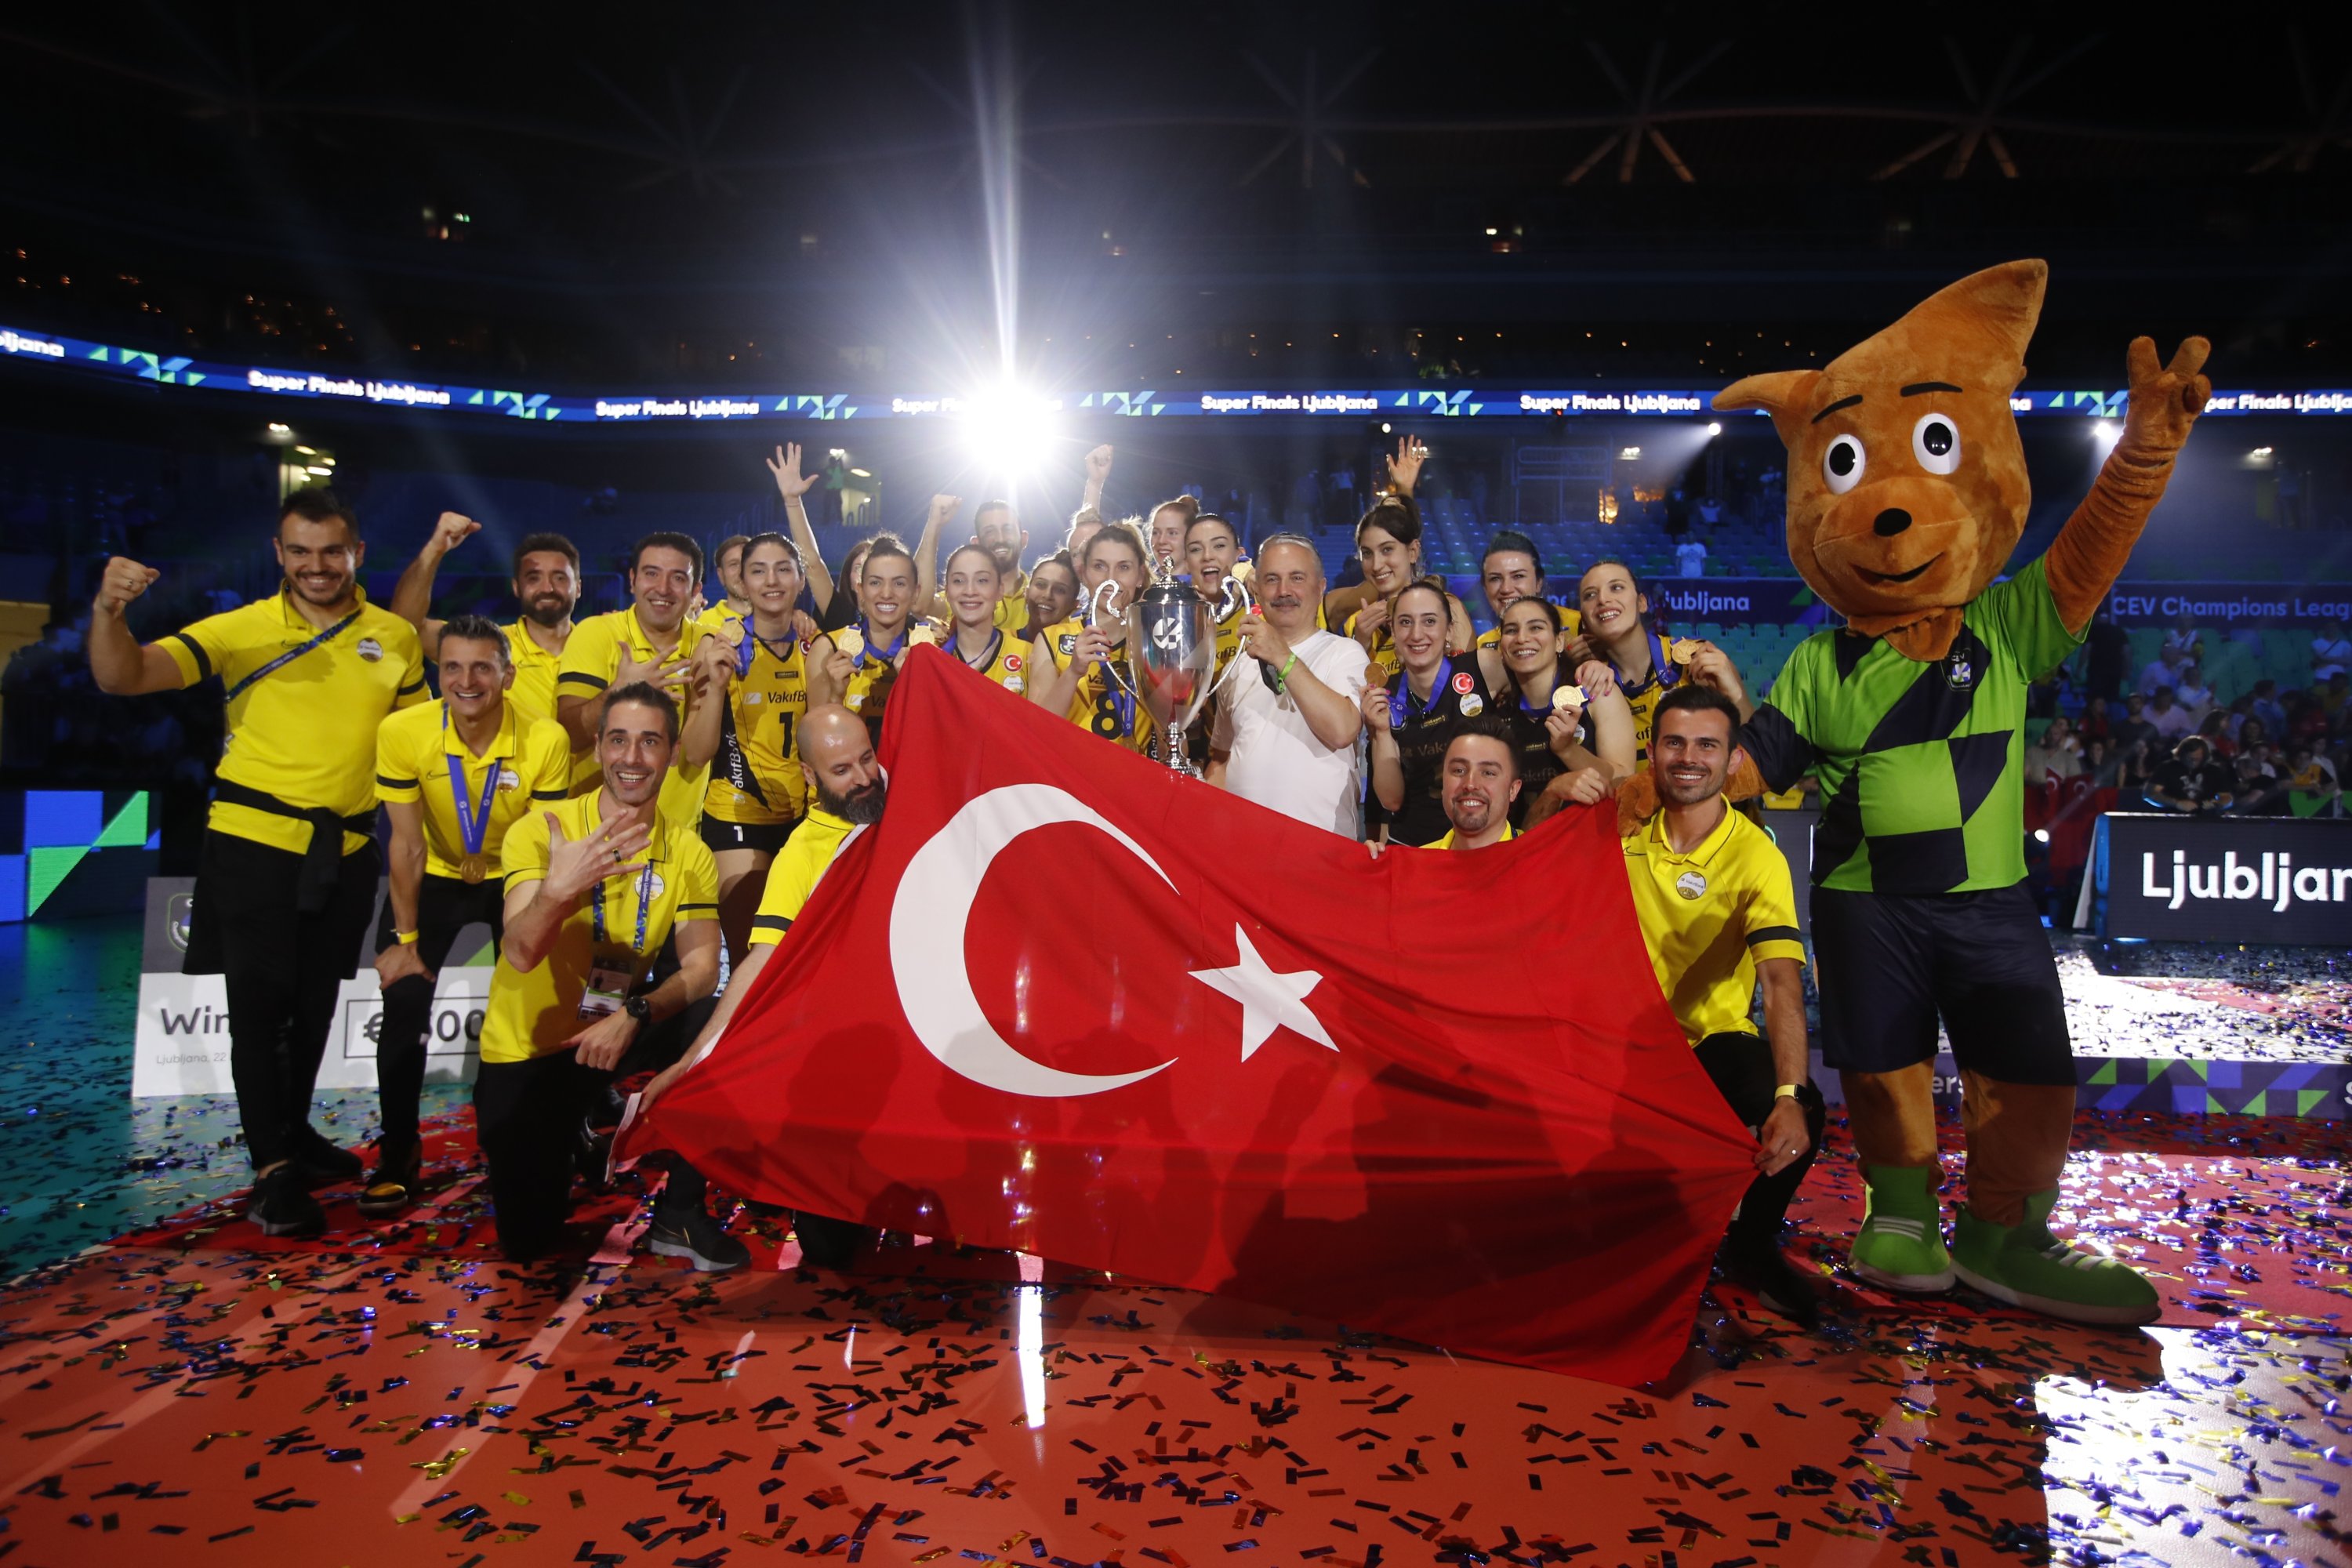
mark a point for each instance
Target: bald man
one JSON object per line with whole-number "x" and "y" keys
{"x": 847, "y": 789}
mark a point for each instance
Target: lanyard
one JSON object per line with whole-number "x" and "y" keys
{"x": 1404, "y": 694}
{"x": 290, "y": 655}
{"x": 645, "y": 911}
{"x": 474, "y": 824}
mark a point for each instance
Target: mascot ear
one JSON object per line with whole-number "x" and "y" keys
{"x": 1782, "y": 394}
{"x": 1989, "y": 314}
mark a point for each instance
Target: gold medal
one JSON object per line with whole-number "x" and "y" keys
{"x": 731, "y": 633}
{"x": 1683, "y": 650}
{"x": 473, "y": 867}
{"x": 1567, "y": 697}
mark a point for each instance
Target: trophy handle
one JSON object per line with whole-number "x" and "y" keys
{"x": 1106, "y": 595}
{"x": 1235, "y": 596}
{"x": 1106, "y": 598}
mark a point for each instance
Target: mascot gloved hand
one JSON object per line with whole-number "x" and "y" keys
{"x": 1906, "y": 494}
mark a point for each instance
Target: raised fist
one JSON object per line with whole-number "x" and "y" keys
{"x": 123, "y": 581}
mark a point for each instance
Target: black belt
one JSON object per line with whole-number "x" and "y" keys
{"x": 322, "y": 862}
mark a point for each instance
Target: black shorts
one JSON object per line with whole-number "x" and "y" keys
{"x": 767, "y": 838}
{"x": 1889, "y": 965}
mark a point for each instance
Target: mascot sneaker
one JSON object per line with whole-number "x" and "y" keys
{"x": 1901, "y": 1244}
{"x": 2025, "y": 1265}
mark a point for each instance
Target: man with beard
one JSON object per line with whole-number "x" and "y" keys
{"x": 1481, "y": 778}
{"x": 547, "y": 592}
{"x": 1718, "y": 914}
{"x": 848, "y": 790}
{"x": 729, "y": 561}
{"x": 594, "y": 886}
{"x": 286, "y": 879}
{"x": 453, "y": 776}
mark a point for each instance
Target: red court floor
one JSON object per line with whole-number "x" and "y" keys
{"x": 402, "y": 1396}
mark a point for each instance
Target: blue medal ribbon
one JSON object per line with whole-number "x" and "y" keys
{"x": 473, "y": 825}
{"x": 1404, "y": 694}
{"x": 877, "y": 651}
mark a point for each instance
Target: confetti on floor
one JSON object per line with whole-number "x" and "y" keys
{"x": 399, "y": 1394}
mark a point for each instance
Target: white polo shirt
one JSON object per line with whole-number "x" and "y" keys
{"x": 1275, "y": 759}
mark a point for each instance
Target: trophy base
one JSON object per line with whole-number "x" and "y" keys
{"x": 1183, "y": 766}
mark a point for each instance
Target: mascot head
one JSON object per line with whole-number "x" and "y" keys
{"x": 1906, "y": 481}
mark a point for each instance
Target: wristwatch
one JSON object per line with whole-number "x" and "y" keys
{"x": 639, "y": 1008}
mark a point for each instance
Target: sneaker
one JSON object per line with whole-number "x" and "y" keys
{"x": 1901, "y": 1244}
{"x": 694, "y": 1235}
{"x": 282, "y": 1205}
{"x": 399, "y": 1179}
{"x": 826, "y": 1242}
{"x": 1762, "y": 1267}
{"x": 2025, "y": 1265}
{"x": 324, "y": 1164}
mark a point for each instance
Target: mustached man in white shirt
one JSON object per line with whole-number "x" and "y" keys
{"x": 1287, "y": 719}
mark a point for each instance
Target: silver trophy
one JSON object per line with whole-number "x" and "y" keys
{"x": 1172, "y": 656}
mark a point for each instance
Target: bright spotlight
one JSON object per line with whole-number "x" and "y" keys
{"x": 277, "y": 429}
{"x": 2042, "y": 835}
{"x": 2260, "y": 452}
{"x": 1010, "y": 430}
{"x": 1629, "y": 451}
{"x": 1713, "y": 427}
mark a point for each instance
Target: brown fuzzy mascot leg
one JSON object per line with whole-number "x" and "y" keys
{"x": 2018, "y": 1134}
{"x": 1892, "y": 1116}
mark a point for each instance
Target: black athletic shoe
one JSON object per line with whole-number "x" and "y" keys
{"x": 399, "y": 1178}
{"x": 1763, "y": 1270}
{"x": 826, "y": 1242}
{"x": 282, "y": 1205}
{"x": 324, "y": 1165}
{"x": 694, "y": 1235}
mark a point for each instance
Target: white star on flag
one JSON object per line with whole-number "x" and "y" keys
{"x": 1269, "y": 1001}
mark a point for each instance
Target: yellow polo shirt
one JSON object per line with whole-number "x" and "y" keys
{"x": 306, "y": 732}
{"x": 533, "y": 694}
{"x": 536, "y": 1011}
{"x": 593, "y": 655}
{"x": 412, "y": 749}
{"x": 798, "y": 866}
{"x": 1446, "y": 842}
{"x": 1707, "y": 916}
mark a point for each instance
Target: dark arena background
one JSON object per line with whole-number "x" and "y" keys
{"x": 586, "y": 270}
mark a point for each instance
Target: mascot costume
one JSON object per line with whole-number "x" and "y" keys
{"x": 1906, "y": 494}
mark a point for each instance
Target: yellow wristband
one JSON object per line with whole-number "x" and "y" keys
{"x": 404, "y": 938}
{"x": 1785, "y": 1091}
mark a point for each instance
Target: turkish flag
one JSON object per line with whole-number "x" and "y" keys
{"x": 1062, "y": 1000}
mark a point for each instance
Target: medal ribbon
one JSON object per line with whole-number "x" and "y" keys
{"x": 875, "y": 650}
{"x": 1405, "y": 698}
{"x": 473, "y": 826}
